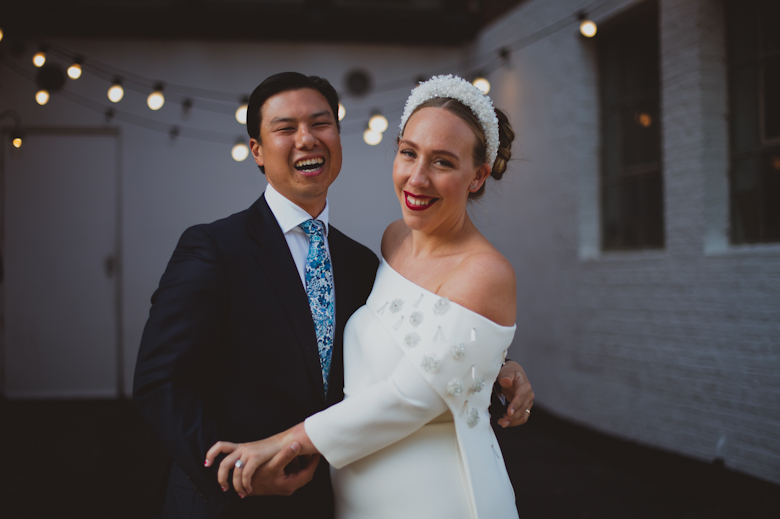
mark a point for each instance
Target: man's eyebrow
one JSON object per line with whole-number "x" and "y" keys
{"x": 282, "y": 120}
{"x": 321, "y": 113}
{"x": 285, "y": 119}
{"x": 435, "y": 152}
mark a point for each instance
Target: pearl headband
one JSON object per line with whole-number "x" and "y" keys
{"x": 458, "y": 88}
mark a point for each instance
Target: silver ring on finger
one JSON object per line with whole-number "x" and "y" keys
{"x": 240, "y": 464}
{"x": 527, "y": 411}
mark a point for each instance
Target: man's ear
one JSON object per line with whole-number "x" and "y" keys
{"x": 257, "y": 151}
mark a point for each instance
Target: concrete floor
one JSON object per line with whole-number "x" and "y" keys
{"x": 85, "y": 459}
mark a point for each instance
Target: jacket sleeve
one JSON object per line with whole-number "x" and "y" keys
{"x": 178, "y": 347}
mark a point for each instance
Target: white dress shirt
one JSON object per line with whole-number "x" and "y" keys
{"x": 290, "y": 216}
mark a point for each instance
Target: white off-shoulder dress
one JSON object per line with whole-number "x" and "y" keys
{"x": 412, "y": 438}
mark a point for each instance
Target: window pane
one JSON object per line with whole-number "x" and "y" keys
{"x": 753, "y": 28}
{"x": 631, "y": 189}
{"x": 770, "y": 196}
{"x": 772, "y": 97}
{"x": 640, "y": 134}
{"x": 744, "y": 109}
{"x": 610, "y": 146}
{"x": 745, "y": 201}
{"x": 771, "y": 21}
{"x": 633, "y": 212}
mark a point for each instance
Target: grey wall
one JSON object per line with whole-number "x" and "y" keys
{"x": 678, "y": 348}
{"x": 168, "y": 185}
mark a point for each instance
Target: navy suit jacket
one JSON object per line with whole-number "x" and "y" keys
{"x": 230, "y": 353}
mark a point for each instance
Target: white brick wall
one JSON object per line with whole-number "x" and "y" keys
{"x": 677, "y": 348}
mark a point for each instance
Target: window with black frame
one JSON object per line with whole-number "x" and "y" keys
{"x": 632, "y": 213}
{"x": 753, "y": 43}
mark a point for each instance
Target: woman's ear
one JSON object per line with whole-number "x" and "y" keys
{"x": 482, "y": 173}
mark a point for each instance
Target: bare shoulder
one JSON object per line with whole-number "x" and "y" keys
{"x": 392, "y": 238}
{"x": 485, "y": 283}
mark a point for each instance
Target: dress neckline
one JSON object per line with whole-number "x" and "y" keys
{"x": 472, "y": 312}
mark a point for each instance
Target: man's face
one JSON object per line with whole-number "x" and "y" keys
{"x": 299, "y": 147}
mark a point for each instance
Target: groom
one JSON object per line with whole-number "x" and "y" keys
{"x": 235, "y": 347}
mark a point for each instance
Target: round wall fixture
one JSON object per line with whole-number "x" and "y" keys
{"x": 358, "y": 82}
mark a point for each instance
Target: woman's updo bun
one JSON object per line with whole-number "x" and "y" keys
{"x": 505, "y": 136}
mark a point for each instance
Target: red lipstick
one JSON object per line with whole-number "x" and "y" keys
{"x": 418, "y": 202}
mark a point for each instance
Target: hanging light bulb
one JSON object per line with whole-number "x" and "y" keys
{"x": 371, "y": 137}
{"x": 241, "y": 111}
{"x": 377, "y": 123}
{"x": 342, "y": 111}
{"x": 39, "y": 58}
{"x": 587, "y": 27}
{"x": 482, "y": 83}
{"x": 156, "y": 100}
{"x": 42, "y": 97}
{"x": 116, "y": 92}
{"x": 240, "y": 151}
{"x": 17, "y": 142}
{"x": 74, "y": 71}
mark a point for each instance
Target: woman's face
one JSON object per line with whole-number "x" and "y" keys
{"x": 434, "y": 170}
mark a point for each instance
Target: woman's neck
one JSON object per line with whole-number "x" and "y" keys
{"x": 443, "y": 241}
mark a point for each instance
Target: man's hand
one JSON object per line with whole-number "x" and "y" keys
{"x": 259, "y": 467}
{"x": 517, "y": 390}
{"x": 272, "y": 478}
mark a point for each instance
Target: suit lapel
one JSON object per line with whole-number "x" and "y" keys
{"x": 278, "y": 265}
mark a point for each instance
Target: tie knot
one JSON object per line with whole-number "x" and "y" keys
{"x": 313, "y": 228}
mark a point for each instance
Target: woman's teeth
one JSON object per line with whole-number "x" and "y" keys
{"x": 419, "y": 201}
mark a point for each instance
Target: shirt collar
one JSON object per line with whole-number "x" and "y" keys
{"x": 288, "y": 214}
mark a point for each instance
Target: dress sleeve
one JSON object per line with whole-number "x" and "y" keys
{"x": 451, "y": 357}
{"x": 381, "y": 415}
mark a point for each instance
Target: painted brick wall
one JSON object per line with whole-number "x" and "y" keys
{"x": 679, "y": 348}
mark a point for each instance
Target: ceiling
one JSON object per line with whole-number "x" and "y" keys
{"x": 412, "y": 22}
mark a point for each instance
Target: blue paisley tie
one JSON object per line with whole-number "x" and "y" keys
{"x": 319, "y": 288}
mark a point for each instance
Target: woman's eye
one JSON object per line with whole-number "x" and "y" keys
{"x": 408, "y": 153}
{"x": 444, "y": 163}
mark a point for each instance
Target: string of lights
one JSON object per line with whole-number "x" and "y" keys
{"x": 236, "y": 104}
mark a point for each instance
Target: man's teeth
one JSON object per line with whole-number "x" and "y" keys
{"x": 310, "y": 163}
{"x": 419, "y": 201}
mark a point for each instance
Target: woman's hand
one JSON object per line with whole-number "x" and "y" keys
{"x": 252, "y": 456}
{"x": 263, "y": 463}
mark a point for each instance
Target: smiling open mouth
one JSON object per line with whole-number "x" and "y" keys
{"x": 309, "y": 165}
{"x": 418, "y": 202}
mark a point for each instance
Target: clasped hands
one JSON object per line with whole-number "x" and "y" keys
{"x": 283, "y": 463}
{"x": 278, "y": 465}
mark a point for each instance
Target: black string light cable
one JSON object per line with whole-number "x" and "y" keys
{"x": 109, "y": 72}
{"x": 226, "y": 102}
{"x": 136, "y": 120}
{"x": 487, "y": 62}
{"x": 111, "y": 112}
{"x": 493, "y": 59}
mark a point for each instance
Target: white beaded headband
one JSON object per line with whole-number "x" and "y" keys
{"x": 458, "y": 88}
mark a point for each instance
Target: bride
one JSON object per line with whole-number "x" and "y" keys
{"x": 412, "y": 437}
